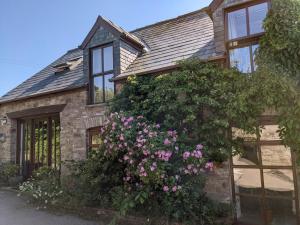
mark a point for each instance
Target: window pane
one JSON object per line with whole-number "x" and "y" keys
{"x": 280, "y": 211}
{"x": 96, "y": 139}
{"x": 97, "y": 61}
{"x": 248, "y": 157}
{"x": 109, "y": 87}
{"x": 279, "y": 182}
{"x": 240, "y": 58}
{"x": 247, "y": 181}
{"x": 239, "y": 133}
{"x": 277, "y": 155}
{"x": 257, "y": 14}
{"x": 237, "y": 26}
{"x": 108, "y": 58}
{"x": 270, "y": 133}
{"x": 249, "y": 210}
{"x": 98, "y": 89}
{"x": 254, "y": 48}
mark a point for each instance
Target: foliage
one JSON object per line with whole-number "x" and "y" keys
{"x": 202, "y": 99}
{"x": 44, "y": 186}
{"x": 280, "y": 46}
{"x": 143, "y": 169}
{"x": 278, "y": 62}
{"x": 8, "y": 170}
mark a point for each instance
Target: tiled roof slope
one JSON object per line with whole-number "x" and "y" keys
{"x": 187, "y": 36}
{"x": 47, "y": 80}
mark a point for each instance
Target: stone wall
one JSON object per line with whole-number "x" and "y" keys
{"x": 75, "y": 119}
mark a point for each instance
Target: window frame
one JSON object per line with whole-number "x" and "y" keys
{"x": 102, "y": 74}
{"x": 238, "y": 7}
{"x": 246, "y": 41}
{"x": 264, "y": 121}
{"x": 90, "y": 133}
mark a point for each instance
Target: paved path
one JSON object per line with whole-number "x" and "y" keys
{"x": 15, "y": 211}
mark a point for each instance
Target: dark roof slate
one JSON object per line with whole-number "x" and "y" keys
{"x": 47, "y": 80}
{"x": 186, "y": 36}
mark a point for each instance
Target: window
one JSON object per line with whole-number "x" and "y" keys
{"x": 246, "y": 21}
{"x": 102, "y": 71}
{"x": 264, "y": 179}
{"x": 94, "y": 139}
{"x": 243, "y": 58}
{"x": 244, "y": 28}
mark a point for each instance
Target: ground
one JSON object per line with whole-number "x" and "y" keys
{"x": 16, "y": 211}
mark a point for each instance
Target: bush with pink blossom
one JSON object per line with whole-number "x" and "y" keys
{"x": 156, "y": 170}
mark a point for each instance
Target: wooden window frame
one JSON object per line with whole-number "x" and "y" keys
{"x": 90, "y": 133}
{"x": 92, "y": 76}
{"x": 293, "y": 167}
{"x": 245, "y": 41}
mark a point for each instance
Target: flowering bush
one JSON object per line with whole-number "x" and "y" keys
{"x": 156, "y": 168}
{"x": 44, "y": 187}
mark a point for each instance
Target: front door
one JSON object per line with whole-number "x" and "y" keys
{"x": 39, "y": 144}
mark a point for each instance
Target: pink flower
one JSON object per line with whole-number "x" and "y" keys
{"x": 126, "y": 157}
{"x": 121, "y": 137}
{"x": 186, "y": 155}
{"x": 174, "y": 189}
{"x": 209, "y": 166}
{"x": 165, "y": 188}
{"x": 167, "y": 142}
{"x": 157, "y": 126}
{"x": 199, "y": 147}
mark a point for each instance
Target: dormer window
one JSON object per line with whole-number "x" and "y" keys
{"x": 244, "y": 27}
{"x": 102, "y": 71}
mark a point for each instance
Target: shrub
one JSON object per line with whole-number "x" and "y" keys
{"x": 140, "y": 168}
{"x": 7, "y": 171}
{"x": 44, "y": 186}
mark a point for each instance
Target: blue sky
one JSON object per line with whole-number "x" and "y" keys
{"x": 33, "y": 33}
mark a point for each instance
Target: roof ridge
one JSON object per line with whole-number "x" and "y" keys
{"x": 168, "y": 20}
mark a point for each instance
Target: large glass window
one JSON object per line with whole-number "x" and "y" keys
{"x": 264, "y": 180}
{"x": 246, "y": 21}
{"x": 102, "y": 71}
{"x": 243, "y": 58}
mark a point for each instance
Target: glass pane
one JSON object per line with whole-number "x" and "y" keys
{"x": 249, "y": 155}
{"x": 249, "y": 210}
{"x": 257, "y": 14}
{"x": 254, "y": 48}
{"x": 237, "y": 26}
{"x": 96, "y": 140}
{"x": 108, "y": 58}
{"x": 240, "y": 58}
{"x": 97, "y": 61}
{"x": 109, "y": 87}
{"x": 98, "y": 89}
{"x": 277, "y": 155}
{"x": 247, "y": 181}
{"x": 279, "y": 182}
{"x": 280, "y": 212}
{"x": 270, "y": 133}
{"x": 239, "y": 133}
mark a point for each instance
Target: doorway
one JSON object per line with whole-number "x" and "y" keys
{"x": 38, "y": 144}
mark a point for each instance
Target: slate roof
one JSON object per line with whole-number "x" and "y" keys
{"x": 47, "y": 81}
{"x": 189, "y": 35}
{"x": 186, "y": 36}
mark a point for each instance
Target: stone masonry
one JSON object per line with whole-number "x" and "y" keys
{"x": 75, "y": 119}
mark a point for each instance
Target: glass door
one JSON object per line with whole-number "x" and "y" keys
{"x": 39, "y": 144}
{"x": 264, "y": 180}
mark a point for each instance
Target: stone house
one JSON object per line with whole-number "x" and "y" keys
{"x": 54, "y": 115}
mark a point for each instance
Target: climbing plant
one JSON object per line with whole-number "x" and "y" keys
{"x": 201, "y": 101}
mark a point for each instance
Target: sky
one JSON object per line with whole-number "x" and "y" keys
{"x": 33, "y": 33}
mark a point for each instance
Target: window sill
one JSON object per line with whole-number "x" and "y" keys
{"x": 104, "y": 104}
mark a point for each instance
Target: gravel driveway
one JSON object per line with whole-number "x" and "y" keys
{"x": 15, "y": 211}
